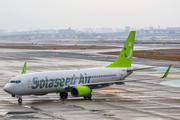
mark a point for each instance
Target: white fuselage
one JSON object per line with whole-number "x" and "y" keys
{"x": 40, "y": 83}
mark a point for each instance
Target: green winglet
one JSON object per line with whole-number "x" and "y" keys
{"x": 167, "y": 71}
{"x": 125, "y": 58}
{"x": 24, "y": 68}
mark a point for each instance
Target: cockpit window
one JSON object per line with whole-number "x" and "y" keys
{"x": 12, "y": 81}
{"x": 15, "y": 81}
{"x": 18, "y": 81}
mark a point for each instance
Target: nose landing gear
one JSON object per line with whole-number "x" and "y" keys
{"x": 20, "y": 100}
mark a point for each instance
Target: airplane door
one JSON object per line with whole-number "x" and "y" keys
{"x": 29, "y": 82}
{"x": 120, "y": 74}
{"x": 13, "y": 87}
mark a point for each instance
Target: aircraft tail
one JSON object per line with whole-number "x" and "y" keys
{"x": 125, "y": 57}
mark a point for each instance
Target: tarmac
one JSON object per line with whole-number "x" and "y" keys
{"x": 141, "y": 99}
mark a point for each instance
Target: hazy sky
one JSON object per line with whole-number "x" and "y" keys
{"x": 60, "y": 14}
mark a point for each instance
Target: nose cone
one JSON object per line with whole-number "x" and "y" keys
{"x": 8, "y": 88}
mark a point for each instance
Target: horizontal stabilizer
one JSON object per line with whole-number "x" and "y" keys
{"x": 140, "y": 69}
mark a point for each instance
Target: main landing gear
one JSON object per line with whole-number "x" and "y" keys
{"x": 63, "y": 95}
{"x": 88, "y": 97}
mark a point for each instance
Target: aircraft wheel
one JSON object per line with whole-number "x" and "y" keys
{"x": 89, "y": 97}
{"x": 19, "y": 100}
{"x": 85, "y": 97}
{"x": 63, "y": 95}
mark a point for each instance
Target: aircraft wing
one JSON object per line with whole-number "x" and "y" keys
{"x": 117, "y": 82}
{"x": 99, "y": 83}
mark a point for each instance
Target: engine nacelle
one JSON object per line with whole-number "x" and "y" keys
{"x": 79, "y": 91}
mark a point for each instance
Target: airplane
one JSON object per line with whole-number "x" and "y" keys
{"x": 78, "y": 82}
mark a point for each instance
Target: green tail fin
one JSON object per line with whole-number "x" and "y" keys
{"x": 24, "y": 68}
{"x": 125, "y": 57}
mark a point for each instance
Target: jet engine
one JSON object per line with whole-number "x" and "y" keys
{"x": 79, "y": 91}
